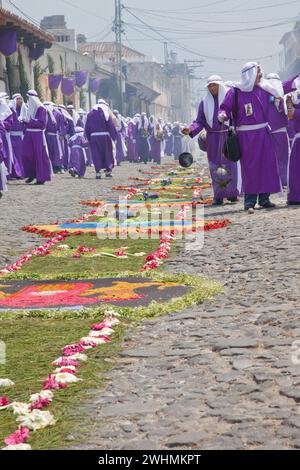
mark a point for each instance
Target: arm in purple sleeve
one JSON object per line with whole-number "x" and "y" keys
{"x": 39, "y": 122}
{"x": 297, "y": 114}
{"x": 228, "y": 104}
{"x": 88, "y": 128}
{"x": 199, "y": 123}
{"x": 289, "y": 85}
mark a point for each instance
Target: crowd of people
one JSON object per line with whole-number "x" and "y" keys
{"x": 265, "y": 114}
{"x": 39, "y": 139}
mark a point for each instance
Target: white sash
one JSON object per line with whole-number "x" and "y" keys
{"x": 253, "y": 127}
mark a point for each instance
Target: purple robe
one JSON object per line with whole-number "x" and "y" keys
{"x": 16, "y": 137}
{"x": 53, "y": 133}
{"x": 168, "y": 141}
{"x": 120, "y": 155}
{"x": 142, "y": 142}
{"x": 8, "y": 150}
{"x": 100, "y": 134}
{"x": 2, "y": 165}
{"x": 35, "y": 156}
{"x": 131, "y": 143}
{"x": 294, "y": 164}
{"x": 78, "y": 159}
{"x": 260, "y": 172}
{"x": 278, "y": 121}
{"x": 223, "y": 186}
{"x": 177, "y": 142}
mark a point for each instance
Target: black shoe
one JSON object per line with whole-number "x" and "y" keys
{"x": 293, "y": 203}
{"x": 218, "y": 202}
{"x": 1, "y": 195}
{"x": 233, "y": 199}
{"x": 39, "y": 183}
{"x": 98, "y": 176}
{"x": 72, "y": 172}
{"x": 29, "y": 180}
{"x": 268, "y": 205}
{"x": 108, "y": 175}
{"x": 118, "y": 164}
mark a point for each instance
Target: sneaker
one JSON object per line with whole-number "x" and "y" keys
{"x": 108, "y": 174}
{"x": 98, "y": 176}
{"x": 72, "y": 172}
{"x": 29, "y": 180}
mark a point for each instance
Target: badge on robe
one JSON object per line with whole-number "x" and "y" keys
{"x": 248, "y": 109}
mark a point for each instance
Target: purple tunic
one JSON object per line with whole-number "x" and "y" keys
{"x": 8, "y": 150}
{"x": 100, "y": 134}
{"x": 53, "y": 133}
{"x": 223, "y": 186}
{"x": 259, "y": 164}
{"x": 34, "y": 153}
{"x": 131, "y": 143}
{"x": 120, "y": 155}
{"x": 294, "y": 164}
{"x": 142, "y": 143}
{"x": 16, "y": 137}
{"x": 278, "y": 121}
{"x": 2, "y": 165}
{"x": 77, "y": 161}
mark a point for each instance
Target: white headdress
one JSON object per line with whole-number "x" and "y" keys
{"x": 101, "y": 104}
{"x": 248, "y": 77}
{"x": 50, "y": 107}
{"x": 209, "y": 102}
{"x": 5, "y": 110}
{"x": 34, "y": 104}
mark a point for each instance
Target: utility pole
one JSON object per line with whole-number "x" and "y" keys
{"x": 118, "y": 30}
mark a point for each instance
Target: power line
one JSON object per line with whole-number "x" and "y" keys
{"x": 94, "y": 14}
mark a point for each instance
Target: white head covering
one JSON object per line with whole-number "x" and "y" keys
{"x": 64, "y": 112}
{"x": 74, "y": 115}
{"x": 13, "y": 105}
{"x": 248, "y": 77}
{"x": 208, "y": 100}
{"x": 273, "y": 85}
{"x": 101, "y": 104}
{"x": 50, "y": 107}
{"x": 5, "y": 110}
{"x": 34, "y": 104}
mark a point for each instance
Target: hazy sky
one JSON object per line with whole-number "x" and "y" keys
{"x": 206, "y": 27}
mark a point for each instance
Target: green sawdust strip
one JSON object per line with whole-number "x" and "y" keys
{"x": 34, "y": 339}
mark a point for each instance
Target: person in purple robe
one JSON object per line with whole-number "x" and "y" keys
{"x": 73, "y": 113}
{"x": 7, "y": 122}
{"x": 35, "y": 155}
{"x": 121, "y": 150}
{"x": 156, "y": 140}
{"x": 259, "y": 165}
{"x": 101, "y": 132}
{"x": 277, "y": 118}
{"x": 177, "y": 140}
{"x": 53, "y": 134}
{"x": 78, "y": 160}
{"x": 224, "y": 173}
{"x": 131, "y": 142}
{"x": 142, "y": 138}
{"x": 294, "y": 162}
{"x": 3, "y": 171}
{"x": 67, "y": 130}
{"x": 19, "y": 111}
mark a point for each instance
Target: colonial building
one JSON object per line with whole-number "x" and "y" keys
{"x": 21, "y": 44}
{"x": 290, "y": 56}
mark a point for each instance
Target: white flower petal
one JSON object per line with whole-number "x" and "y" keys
{"x": 6, "y": 383}
{"x": 17, "y": 447}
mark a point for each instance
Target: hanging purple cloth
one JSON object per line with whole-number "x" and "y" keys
{"x": 81, "y": 78}
{"x": 67, "y": 86}
{"x": 94, "y": 84}
{"x": 8, "y": 42}
{"x": 54, "y": 81}
{"x": 36, "y": 52}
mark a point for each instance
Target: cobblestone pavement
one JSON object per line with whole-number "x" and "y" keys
{"x": 221, "y": 375}
{"x": 218, "y": 376}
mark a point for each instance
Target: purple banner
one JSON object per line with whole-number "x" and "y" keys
{"x": 67, "y": 86}
{"x": 81, "y": 77}
{"x": 8, "y": 42}
{"x": 54, "y": 81}
{"x": 94, "y": 84}
{"x": 36, "y": 52}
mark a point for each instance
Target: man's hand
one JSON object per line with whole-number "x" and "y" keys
{"x": 186, "y": 131}
{"x": 222, "y": 117}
